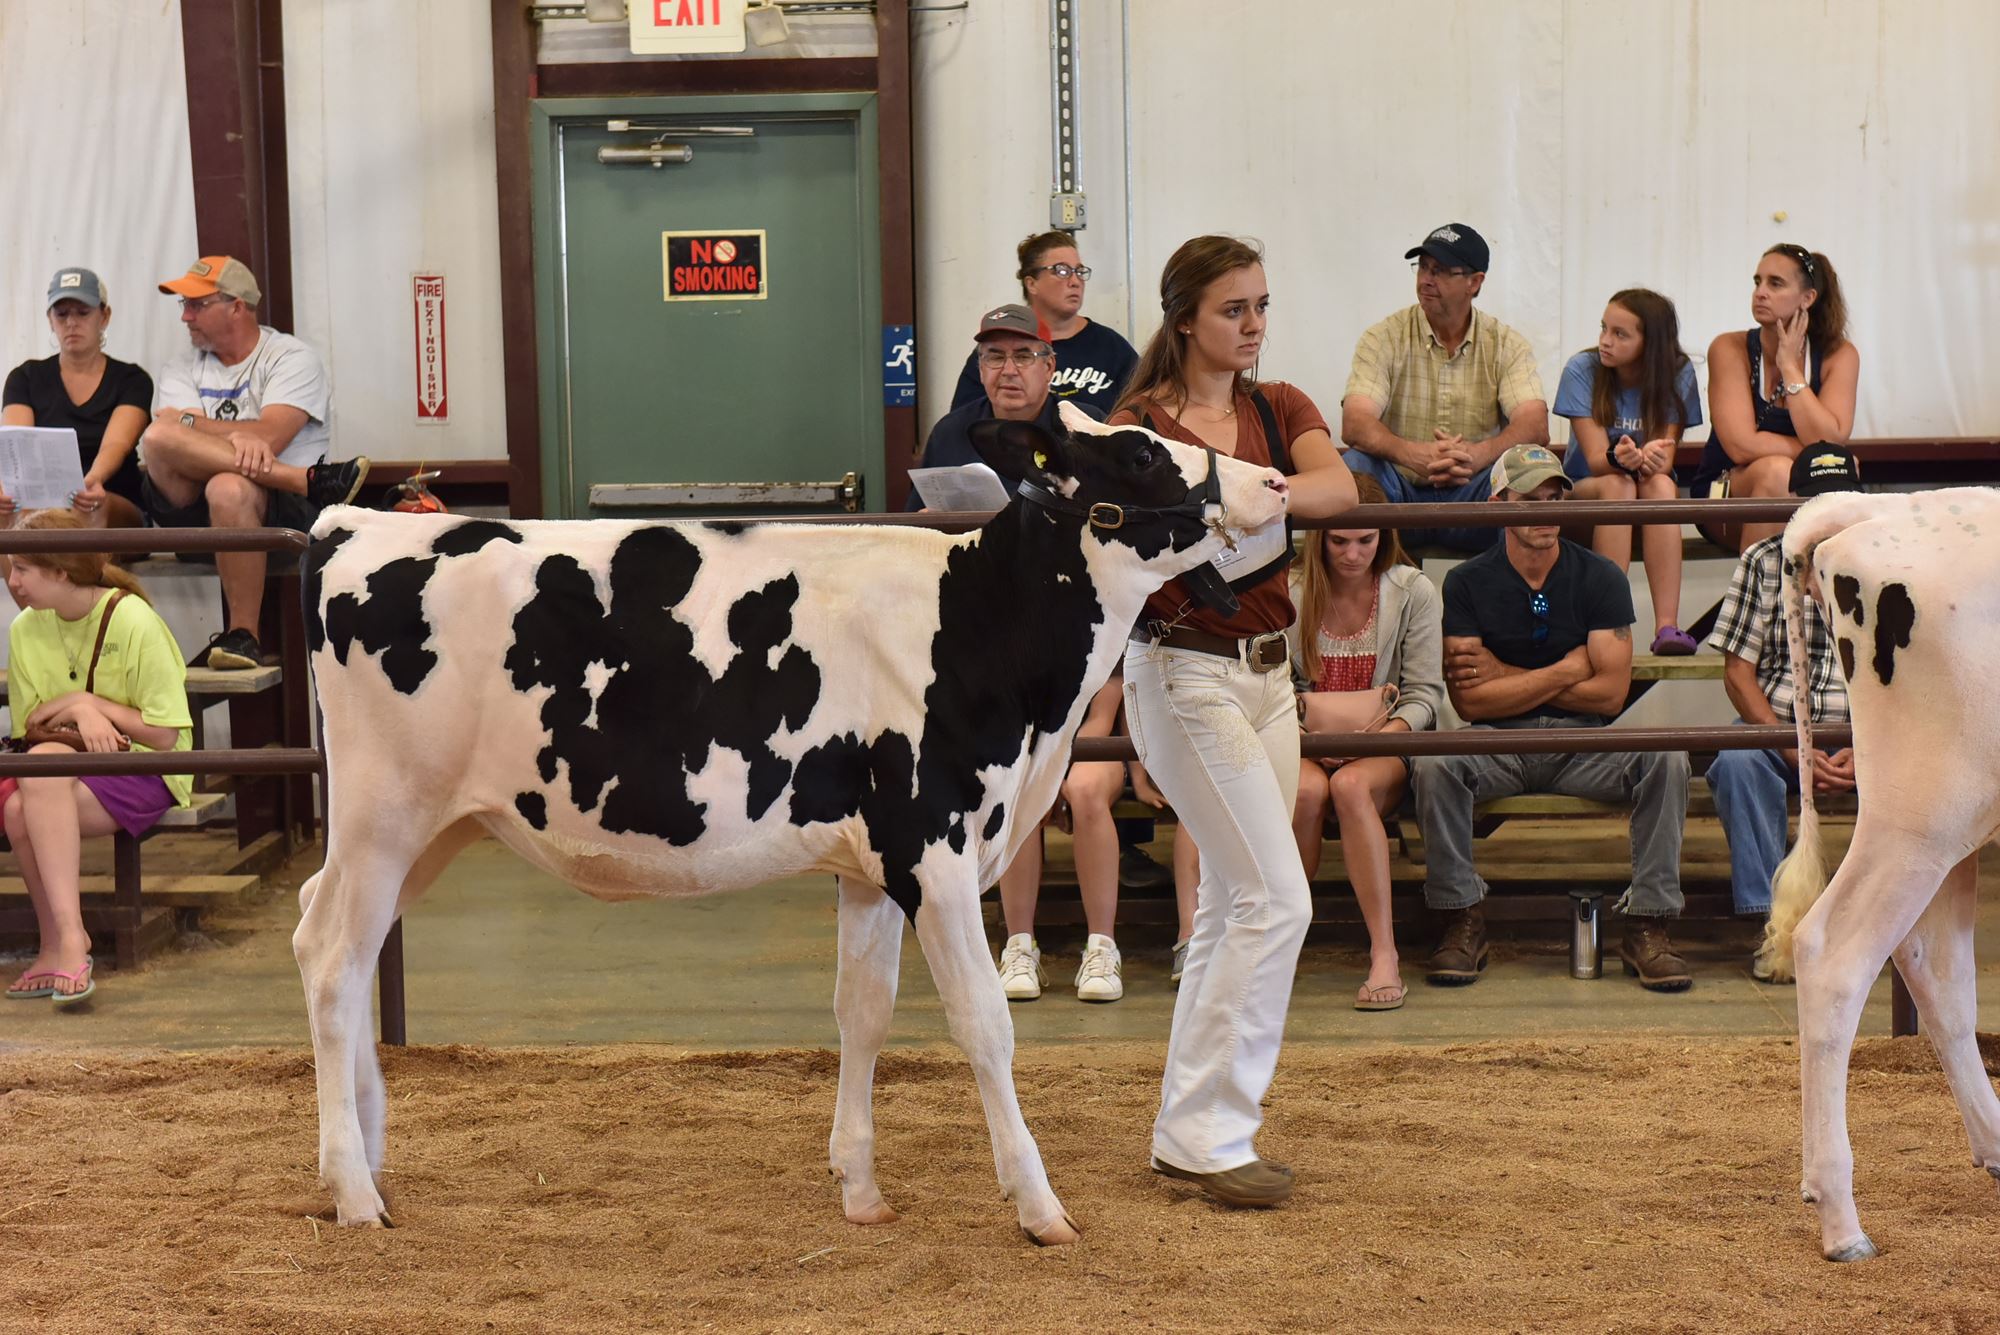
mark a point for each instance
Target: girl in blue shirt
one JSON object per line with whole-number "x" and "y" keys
{"x": 1629, "y": 400}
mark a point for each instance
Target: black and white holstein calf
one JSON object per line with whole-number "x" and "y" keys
{"x": 1912, "y": 587}
{"x": 676, "y": 709}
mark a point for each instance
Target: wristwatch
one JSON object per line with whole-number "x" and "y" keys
{"x": 1793, "y": 389}
{"x": 187, "y": 419}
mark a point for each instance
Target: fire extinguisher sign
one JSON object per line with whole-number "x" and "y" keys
{"x": 428, "y": 291}
{"x": 715, "y": 266}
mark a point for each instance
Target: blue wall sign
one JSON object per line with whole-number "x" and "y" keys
{"x": 899, "y": 366}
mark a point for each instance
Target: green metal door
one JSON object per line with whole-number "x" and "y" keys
{"x": 751, "y": 387}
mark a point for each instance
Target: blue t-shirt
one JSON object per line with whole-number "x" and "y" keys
{"x": 1573, "y": 400}
{"x": 1092, "y": 366}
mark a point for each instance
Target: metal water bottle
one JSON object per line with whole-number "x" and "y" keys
{"x": 1586, "y": 935}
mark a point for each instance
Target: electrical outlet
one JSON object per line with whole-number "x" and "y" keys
{"x": 1066, "y": 211}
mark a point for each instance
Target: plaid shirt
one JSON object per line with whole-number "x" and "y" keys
{"x": 1399, "y": 364}
{"x": 1752, "y": 627}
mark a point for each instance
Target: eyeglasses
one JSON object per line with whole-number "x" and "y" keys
{"x": 1081, "y": 271}
{"x": 1426, "y": 268}
{"x": 196, "y": 305}
{"x": 1020, "y": 358}
{"x": 1538, "y": 603}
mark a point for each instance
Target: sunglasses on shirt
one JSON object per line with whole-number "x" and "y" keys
{"x": 1538, "y": 603}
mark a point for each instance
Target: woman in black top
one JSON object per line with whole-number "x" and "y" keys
{"x": 1785, "y": 384}
{"x": 1093, "y": 362}
{"x": 105, "y": 401}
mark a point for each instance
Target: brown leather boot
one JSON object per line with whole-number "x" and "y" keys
{"x": 1651, "y": 956}
{"x": 1461, "y": 951}
{"x": 1254, "y": 1186}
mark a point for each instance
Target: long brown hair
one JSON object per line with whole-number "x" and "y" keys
{"x": 1316, "y": 576}
{"x": 84, "y": 569}
{"x": 1030, "y": 253}
{"x": 1826, "y": 319}
{"x": 1660, "y": 363}
{"x": 1189, "y": 271}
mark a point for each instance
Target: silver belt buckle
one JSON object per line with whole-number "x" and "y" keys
{"x": 1267, "y": 652}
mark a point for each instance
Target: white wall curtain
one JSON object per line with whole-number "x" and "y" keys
{"x": 94, "y": 168}
{"x": 1597, "y": 144}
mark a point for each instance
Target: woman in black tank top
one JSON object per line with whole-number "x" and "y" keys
{"x": 1784, "y": 385}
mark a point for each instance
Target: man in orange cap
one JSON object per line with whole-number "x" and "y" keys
{"x": 239, "y": 438}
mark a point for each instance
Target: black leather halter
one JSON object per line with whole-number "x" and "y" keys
{"x": 1202, "y": 503}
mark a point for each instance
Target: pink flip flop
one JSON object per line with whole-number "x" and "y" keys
{"x": 71, "y": 998}
{"x": 19, "y": 993}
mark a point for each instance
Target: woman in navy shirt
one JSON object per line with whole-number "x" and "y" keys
{"x": 1786, "y": 383}
{"x": 1629, "y": 400}
{"x": 1092, "y": 362}
{"x": 105, "y": 401}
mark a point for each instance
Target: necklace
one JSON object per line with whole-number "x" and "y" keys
{"x": 1230, "y": 411}
{"x": 75, "y": 656}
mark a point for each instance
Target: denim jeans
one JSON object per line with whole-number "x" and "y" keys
{"x": 1751, "y": 788}
{"x": 1400, "y": 489}
{"x": 1222, "y": 743}
{"x": 1655, "y": 783}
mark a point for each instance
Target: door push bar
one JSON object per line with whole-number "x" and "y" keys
{"x": 845, "y": 493}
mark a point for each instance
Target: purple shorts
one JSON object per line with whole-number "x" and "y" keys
{"x": 135, "y": 801}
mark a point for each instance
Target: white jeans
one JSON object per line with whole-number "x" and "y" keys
{"x": 1222, "y": 743}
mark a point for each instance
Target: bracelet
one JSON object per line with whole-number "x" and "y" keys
{"x": 1299, "y": 702}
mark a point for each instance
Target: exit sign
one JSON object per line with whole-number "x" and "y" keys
{"x": 667, "y": 27}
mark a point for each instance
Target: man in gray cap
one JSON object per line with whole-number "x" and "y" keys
{"x": 239, "y": 438}
{"x": 1538, "y": 634}
{"x": 1016, "y": 363}
{"x": 1439, "y": 391}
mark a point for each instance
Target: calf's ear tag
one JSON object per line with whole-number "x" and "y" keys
{"x": 1041, "y": 459}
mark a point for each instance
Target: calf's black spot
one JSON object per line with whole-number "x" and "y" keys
{"x": 634, "y": 747}
{"x": 1846, "y": 658}
{"x": 534, "y": 809}
{"x": 1847, "y": 597}
{"x": 389, "y": 622}
{"x": 994, "y": 821}
{"x": 1895, "y": 616}
{"x": 311, "y": 585}
{"x": 467, "y": 538}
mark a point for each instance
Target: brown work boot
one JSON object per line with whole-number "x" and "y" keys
{"x": 1651, "y": 956}
{"x": 1254, "y": 1186}
{"x": 1461, "y": 951}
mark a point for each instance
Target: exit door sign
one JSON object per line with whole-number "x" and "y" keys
{"x": 661, "y": 27}
{"x": 715, "y": 266}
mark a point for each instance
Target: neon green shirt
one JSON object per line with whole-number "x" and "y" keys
{"x": 140, "y": 666}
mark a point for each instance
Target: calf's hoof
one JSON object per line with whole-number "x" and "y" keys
{"x": 1860, "y": 1250}
{"x": 1061, "y": 1233}
{"x": 372, "y": 1221}
{"x": 879, "y": 1213}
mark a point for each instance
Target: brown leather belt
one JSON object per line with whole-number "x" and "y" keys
{"x": 1260, "y": 653}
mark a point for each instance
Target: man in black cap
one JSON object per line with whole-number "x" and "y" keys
{"x": 1750, "y": 787}
{"x": 1440, "y": 391}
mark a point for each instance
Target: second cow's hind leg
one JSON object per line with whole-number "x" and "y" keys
{"x": 1936, "y": 960}
{"x": 954, "y": 943}
{"x": 1874, "y": 900}
{"x": 864, "y": 997}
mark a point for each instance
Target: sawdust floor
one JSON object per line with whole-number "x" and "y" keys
{"x": 1609, "y": 1185}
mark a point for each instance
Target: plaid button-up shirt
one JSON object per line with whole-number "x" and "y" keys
{"x": 1399, "y": 364}
{"x": 1752, "y": 627}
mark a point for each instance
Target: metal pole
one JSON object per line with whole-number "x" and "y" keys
{"x": 389, "y": 981}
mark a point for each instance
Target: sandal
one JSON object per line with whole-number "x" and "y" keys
{"x": 1673, "y": 642}
{"x": 20, "y": 993}
{"x": 71, "y": 998}
{"x": 1387, "y": 997}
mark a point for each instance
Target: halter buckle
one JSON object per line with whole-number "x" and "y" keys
{"x": 1106, "y": 515}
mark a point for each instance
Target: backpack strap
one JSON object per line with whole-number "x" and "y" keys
{"x": 1281, "y": 459}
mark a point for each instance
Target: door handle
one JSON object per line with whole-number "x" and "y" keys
{"x": 846, "y": 493}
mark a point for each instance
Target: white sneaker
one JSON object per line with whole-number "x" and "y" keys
{"x": 1021, "y": 975}
{"x": 1097, "y": 977}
